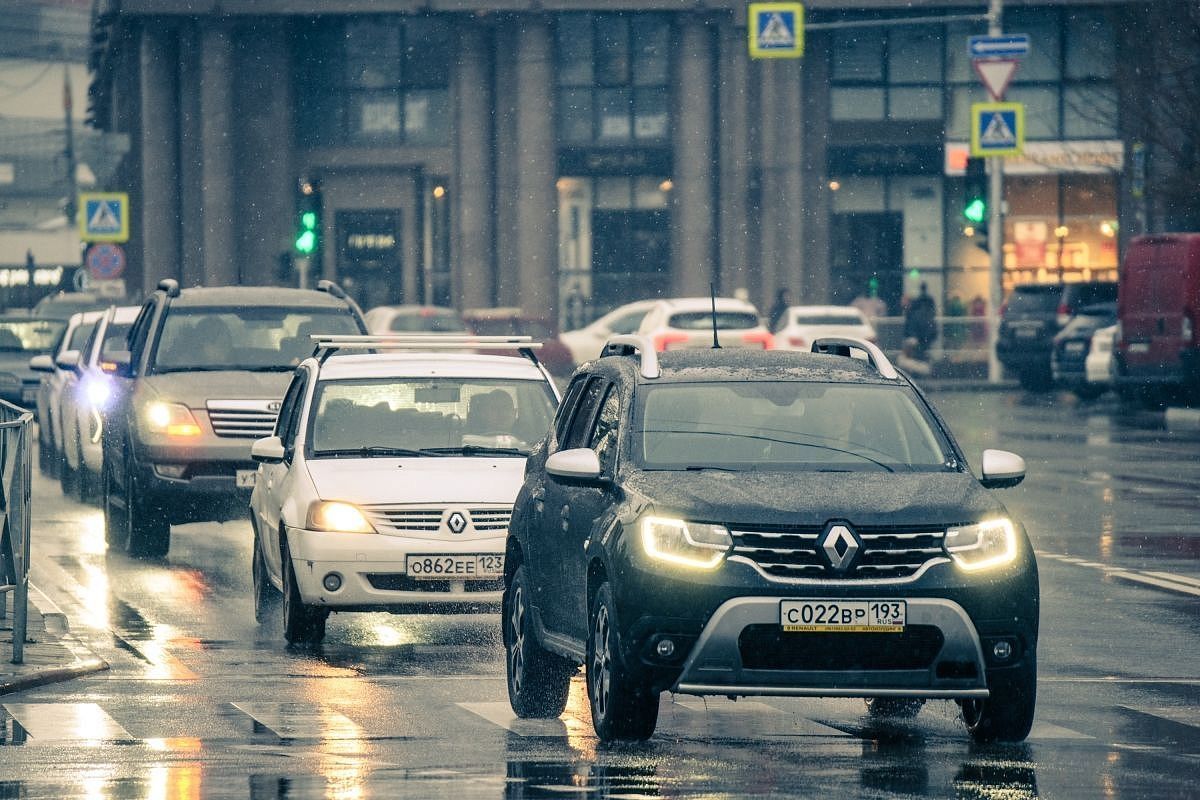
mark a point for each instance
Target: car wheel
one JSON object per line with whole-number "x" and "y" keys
{"x": 68, "y": 480}
{"x": 147, "y": 530}
{"x": 538, "y": 680}
{"x": 623, "y": 705}
{"x": 47, "y": 458}
{"x": 266, "y": 596}
{"x": 302, "y": 624}
{"x": 1087, "y": 391}
{"x": 1007, "y": 714}
{"x": 895, "y": 707}
{"x": 114, "y": 522}
{"x": 1035, "y": 380}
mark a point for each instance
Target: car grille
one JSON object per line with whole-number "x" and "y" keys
{"x": 399, "y": 582}
{"x": 769, "y": 647}
{"x": 243, "y": 419}
{"x": 795, "y": 554}
{"x": 405, "y": 520}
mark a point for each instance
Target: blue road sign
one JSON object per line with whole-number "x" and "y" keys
{"x": 1010, "y": 45}
{"x": 997, "y": 129}
{"x": 105, "y": 216}
{"x": 776, "y": 30}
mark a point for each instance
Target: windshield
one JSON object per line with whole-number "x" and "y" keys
{"x": 422, "y": 416}
{"x": 776, "y": 425}
{"x": 30, "y": 335}
{"x": 258, "y": 338}
{"x": 428, "y": 322}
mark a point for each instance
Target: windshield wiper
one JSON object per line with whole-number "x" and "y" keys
{"x": 476, "y": 450}
{"x": 702, "y": 467}
{"x": 376, "y": 450}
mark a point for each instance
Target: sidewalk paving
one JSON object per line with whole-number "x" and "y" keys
{"x": 52, "y": 654}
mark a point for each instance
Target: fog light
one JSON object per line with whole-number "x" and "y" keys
{"x": 332, "y": 582}
{"x": 665, "y": 648}
{"x": 1002, "y": 650}
{"x": 170, "y": 470}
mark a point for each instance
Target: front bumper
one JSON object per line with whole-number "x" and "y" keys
{"x": 374, "y": 573}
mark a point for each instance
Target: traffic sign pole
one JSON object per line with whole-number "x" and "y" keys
{"x": 995, "y": 228}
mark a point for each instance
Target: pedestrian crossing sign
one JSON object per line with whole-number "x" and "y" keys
{"x": 776, "y": 30}
{"x": 997, "y": 129}
{"x": 104, "y": 216}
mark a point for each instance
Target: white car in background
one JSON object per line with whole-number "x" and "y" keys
{"x": 687, "y": 323}
{"x": 55, "y": 368}
{"x": 586, "y": 343}
{"x": 391, "y": 477}
{"x": 800, "y": 325}
{"x": 414, "y": 319}
{"x": 1098, "y": 366}
{"x": 85, "y": 395}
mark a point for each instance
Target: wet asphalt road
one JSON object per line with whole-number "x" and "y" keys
{"x": 202, "y": 702}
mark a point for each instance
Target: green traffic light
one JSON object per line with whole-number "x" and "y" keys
{"x": 976, "y": 210}
{"x": 309, "y": 220}
{"x": 306, "y": 242}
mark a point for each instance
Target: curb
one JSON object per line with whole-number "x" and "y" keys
{"x": 1185, "y": 419}
{"x": 54, "y": 626}
{"x": 43, "y": 677}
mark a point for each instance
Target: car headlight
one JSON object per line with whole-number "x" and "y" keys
{"x": 335, "y": 517}
{"x": 690, "y": 544}
{"x": 97, "y": 391}
{"x": 173, "y": 419}
{"x": 983, "y": 546}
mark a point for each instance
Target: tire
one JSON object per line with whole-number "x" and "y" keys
{"x": 538, "y": 680}
{"x": 1087, "y": 391}
{"x": 302, "y": 624}
{"x": 114, "y": 521}
{"x": 1007, "y": 715}
{"x": 1034, "y": 380}
{"x": 47, "y": 459}
{"x": 147, "y": 530}
{"x": 69, "y": 480}
{"x": 894, "y": 707}
{"x": 623, "y": 705}
{"x": 266, "y": 596}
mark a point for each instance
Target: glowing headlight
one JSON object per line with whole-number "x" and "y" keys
{"x": 334, "y": 517}
{"x": 172, "y": 419}
{"x": 97, "y": 391}
{"x": 988, "y": 544}
{"x": 691, "y": 544}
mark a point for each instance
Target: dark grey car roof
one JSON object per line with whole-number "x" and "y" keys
{"x": 734, "y": 364}
{"x": 234, "y": 296}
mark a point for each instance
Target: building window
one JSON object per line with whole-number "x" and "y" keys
{"x": 375, "y": 81}
{"x": 887, "y": 74}
{"x": 613, "y": 74}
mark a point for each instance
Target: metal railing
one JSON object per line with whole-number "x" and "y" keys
{"x": 16, "y": 475}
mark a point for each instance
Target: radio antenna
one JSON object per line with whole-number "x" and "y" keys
{"x": 712, "y": 293}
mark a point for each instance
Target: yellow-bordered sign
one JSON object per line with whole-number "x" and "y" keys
{"x": 776, "y": 30}
{"x": 103, "y": 216}
{"x": 997, "y": 129}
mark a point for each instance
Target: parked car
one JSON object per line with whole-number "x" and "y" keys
{"x": 335, "y": 530}
{"x": 62, "y": 305}
{"x": 1031, "y": 317}
{"x": 202, "y": 380}
{"x": 1158, "y": 344}
{"x": 800, "y": 326}
{"x": 586, "y": 343}
{"x": 688, "y": 322}
{"x": 729, "y": 522}
{"x": 414, "y": 319}
{"x": 1072, "y": 345}
{"x": 1100, "y": 367}
{"x": 87, "y": 393}
{"x": 511, "y": 321}
{"x": 53, "y": 367}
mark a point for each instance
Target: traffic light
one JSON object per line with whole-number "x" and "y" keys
{"x": 975, "y": 201}
{"x": 308, "y": 229}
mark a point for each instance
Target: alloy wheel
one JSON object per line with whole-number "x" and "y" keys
{"x": 516, "y": 655}
{"x": 601, "y": 662}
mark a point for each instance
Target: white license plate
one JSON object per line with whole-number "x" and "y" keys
{"x": 1074, "y": 347}
{"x": 245, "y": 478}
{"x": 843, "y": 616}
{"x": 455, "y": 567}
{"x": 1027, "y": 333}
{"x": 1139, "y": 347}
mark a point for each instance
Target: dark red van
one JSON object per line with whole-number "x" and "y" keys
{"x": 1158, "y": 306}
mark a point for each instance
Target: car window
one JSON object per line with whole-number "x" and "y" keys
{"x": 140, "y": 333}
{"x": 828, "y": 319}
{"x": 29, "y": 335}
{"x": 604, "y": 432}
{"x": 703, "y": 320}
{"x": 428, "y": 322}
{"x": 115, "y": 340}
{"x": 1034, "y": 300}
{"x": 568, "y": 406}
{"x": 627, "y": 323}
{"x": 789, "y": 425}
{"x": 80, "y": 335}
{"x": 581, "y": 424}
{"x": 285, "y": 423}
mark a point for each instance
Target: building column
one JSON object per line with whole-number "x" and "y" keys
{"x": 782, "y": 182}
{"x": 221, "y": 266}
{"x": 191, "y": 232}
{"x": 734, "y": 158}
{"x": 692, "y": 241}
{"x": 814, "y": 147}
{"x": 473, "y": 242}
{"x": 537, "y": 203}
{"x": 160, "y": 157}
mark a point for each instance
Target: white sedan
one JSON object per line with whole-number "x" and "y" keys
{"x": 687, "y": 323}
{"x": 800, "y": 325}
{"x": 586, "y": 343}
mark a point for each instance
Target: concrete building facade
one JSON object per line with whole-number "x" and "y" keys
{"x": 566, "y": 156}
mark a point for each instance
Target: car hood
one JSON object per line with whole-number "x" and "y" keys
{"x": 814, "y": 498}
{"x": 424, "y": 481}
{"x": 195, "y": 388}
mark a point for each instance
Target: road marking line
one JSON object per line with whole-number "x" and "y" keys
{"x": 1179, "y": 716}
{"x": 501, "y": 715}
{"x": 1136, "y": 577}
{"x": 1159, "y": 580}
{"x": 801, "y": 725}
{"x": 1170, "y": 576}
{"x": 301, "y": 720}
{"x": 60, "y": 722}
{"x": 1048, "y": 730}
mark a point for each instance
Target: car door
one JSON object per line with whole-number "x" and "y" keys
{"x": 275, "y": 481}
{"x": 121, "y": 418}
{"x": 552, "y": 547}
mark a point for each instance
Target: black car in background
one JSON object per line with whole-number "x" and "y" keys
{"x": 1033, "y": 315}
{"x": 1072, "y": 345}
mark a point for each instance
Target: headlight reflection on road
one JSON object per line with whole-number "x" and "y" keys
{"x": 91, "y": 540}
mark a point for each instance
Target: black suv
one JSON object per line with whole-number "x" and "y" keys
{"x": 1031, "y": 317}
{"x": 739, "y": 523}
{"x": 202, "y": 379}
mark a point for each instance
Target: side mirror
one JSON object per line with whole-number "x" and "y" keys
{"x": 42, "y": 363}
{"x": 117, "y": 363}
{"x": 580, "y": 465}
{"x": 267, "y": 451}
{"x": 68, "y": 360}
{"x": 1002, "y": 469}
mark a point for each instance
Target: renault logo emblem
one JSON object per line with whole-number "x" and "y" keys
{"x": 457, "y": 522}
{"x": 840, "y": 545}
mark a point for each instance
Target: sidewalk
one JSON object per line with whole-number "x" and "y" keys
{"x": 51, "y": 653}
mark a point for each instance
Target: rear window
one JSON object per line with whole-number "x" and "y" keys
{"x": 1082, "y": 294}
{"x": 827, "y": 319}
{"x": 703, "y": 320}
{"x": 1035, "y": 299}
{"x": 428, "y": 322}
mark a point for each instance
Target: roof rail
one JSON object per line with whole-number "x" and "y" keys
{"x": 170, "y": 286}
{"x": 841, "y": 346}
{"x": 327, "y": 344}
{"x": 627, "y": 345}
